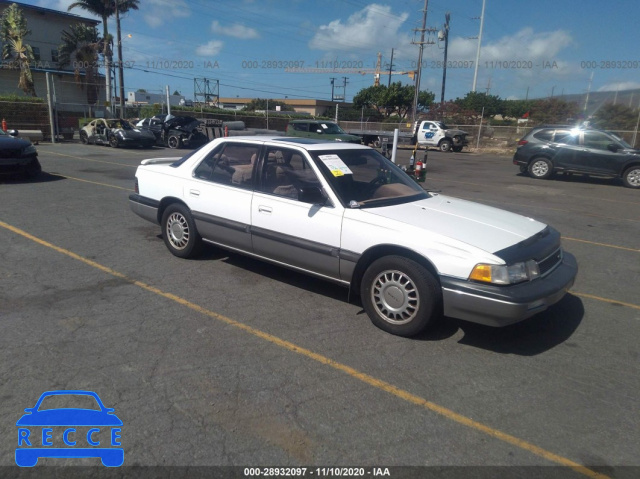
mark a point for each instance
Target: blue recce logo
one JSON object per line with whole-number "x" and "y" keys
{"x": 32, "y": 446}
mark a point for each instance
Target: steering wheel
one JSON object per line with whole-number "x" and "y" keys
{"x": 378, "y": 181}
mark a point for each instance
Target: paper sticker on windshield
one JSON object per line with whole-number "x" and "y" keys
{"x": 324, "y": 126}
{"x": 335, "y": 165}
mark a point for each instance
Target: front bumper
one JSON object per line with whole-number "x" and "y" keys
{"x": 16, "y": 165}
{"x": 503, "y": 305}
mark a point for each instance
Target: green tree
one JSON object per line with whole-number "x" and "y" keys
{"x": 80, "y": 47}
{"x": 396, "y": 99}
{"x": 475, "y": 101}
{"x": 615, "y": 117}
{"x": 265, "y": 104}
{"x": 553, "y": 110}
{"x": 13, "y": 30}
{"x": 105, "y": 9}
{"x": 517, "y": 108}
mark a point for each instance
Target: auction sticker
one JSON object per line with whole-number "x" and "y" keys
{"x": 335, "y": 165}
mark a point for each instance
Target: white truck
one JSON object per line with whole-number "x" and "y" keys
{"x": 426, "y": 133}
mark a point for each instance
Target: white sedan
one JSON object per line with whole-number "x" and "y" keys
{"x": 345, "y": 213}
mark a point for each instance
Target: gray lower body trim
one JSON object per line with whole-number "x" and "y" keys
{"x": 501, "y": 306}
{"x": 145, "y": 207}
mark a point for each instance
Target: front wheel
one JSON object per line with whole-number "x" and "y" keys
{"x": 445, "y": 145}
{"x": 84, "y": 138}
{"x": 631, "y": 177}
{"x": 179, "y": 232}
{"x": 540, "y": 168}
{"x": 113, "y": 142}
{"x": 400, "y": 296}
{"x": 173, "y": 142}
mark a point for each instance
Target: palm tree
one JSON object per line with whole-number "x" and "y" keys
{"x": 13, "y": 30}
{"x": 80, "y": 48}
{"x": 105, "y": 9}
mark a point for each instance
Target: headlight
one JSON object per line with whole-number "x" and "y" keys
{"x": 29, "y": 150}
{"x": 503, "y": 274}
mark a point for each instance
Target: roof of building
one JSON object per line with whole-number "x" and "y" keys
{"x": 24, "y": 6}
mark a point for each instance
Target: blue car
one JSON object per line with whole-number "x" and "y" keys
{"x": 33, "y": 446}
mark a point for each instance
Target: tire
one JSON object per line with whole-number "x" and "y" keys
{"x": 173, "y": 142}
{"x": 457, "y": 149}
{"x": 179, "y": 232}
{"x": 445, "y": 145}
{"x": 84, "y": 138}
{"x": 631, "y": 177}
{"x": 540, "y": 168}
{"x": 113, "y": 142}
{"x": 400, "y": 296}
{"x": 33, "y": 169}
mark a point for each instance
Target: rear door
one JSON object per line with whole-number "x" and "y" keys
{"x": 220, "y": 191}
{"x": 286, "y": 229}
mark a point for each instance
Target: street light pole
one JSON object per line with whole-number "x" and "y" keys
{"x": 120, "y": 67}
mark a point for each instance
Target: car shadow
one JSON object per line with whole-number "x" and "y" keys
{"x": 580, "y": 178}
{"x": 19, "y": 179}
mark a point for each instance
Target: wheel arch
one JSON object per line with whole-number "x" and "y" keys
{"x": 631, "y": 164}
{"x": 168, "y": 201}
{"x": 378, "y": 251}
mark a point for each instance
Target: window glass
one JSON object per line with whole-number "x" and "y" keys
{"x": 301, "y": 126}
{"x": 562, "y": 136}
{"x": 367, "y": 178}
{"x": 232, "y": 164}
{"x": 543, "y": 135}
{"x": 596, "y": 140}
{"x": 285, "y": 171}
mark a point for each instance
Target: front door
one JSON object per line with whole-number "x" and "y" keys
{"x": 286, "y": 229}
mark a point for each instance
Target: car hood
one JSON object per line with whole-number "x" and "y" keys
{"x": 11, "y": 142}
{"x": 69, "y": 417}
{"x": 454, "y": 131}
{"x": 490, "y": 229}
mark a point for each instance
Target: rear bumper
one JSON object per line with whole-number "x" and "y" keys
{"x": 500, "y": 306}
{"x": 145, "y": 207}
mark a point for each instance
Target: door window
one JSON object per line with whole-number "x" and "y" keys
{"x": 596, "y": 140}
{"x": 232, "y": 164}
{"x": 285, "y": 171}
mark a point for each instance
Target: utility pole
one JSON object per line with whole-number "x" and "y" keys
{"x": 390, "y": 69}
{"x": 586, "y": 100}
{"x": 419, "y": 69}
{"x": 120, "y": 68}
{"x": 445, "y": 33}
{"x": 345, "y": 80}
{"x": 475, "y": 73}
{"x": 332, "y": 85}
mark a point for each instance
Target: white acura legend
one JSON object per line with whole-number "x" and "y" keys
{"x": 345, "y": 213}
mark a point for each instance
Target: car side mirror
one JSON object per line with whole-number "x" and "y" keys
{"x": 613, "y": 147}
{"x": 13, "y": 132}
{"x": 312, "y": 194}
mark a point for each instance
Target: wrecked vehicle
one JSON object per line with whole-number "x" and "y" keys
{"x": 182, "y": 131}
{"x": 116, "y": 133}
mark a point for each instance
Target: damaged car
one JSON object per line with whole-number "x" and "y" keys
{"x": 116, "y": 133}
{"x": 182, "y": 132}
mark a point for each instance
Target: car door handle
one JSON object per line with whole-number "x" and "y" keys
{"x": 195, "y": 193}
{"x": 264, "y": 209}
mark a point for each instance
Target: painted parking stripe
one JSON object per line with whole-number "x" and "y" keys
{"x": 606, "y": 245}
{"x": 92, "y": 182}
{"x": 354, "y": 373}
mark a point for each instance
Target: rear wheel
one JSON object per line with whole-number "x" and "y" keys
{"x": 400, "y": 296}
{"x": 84, "y": 138}
{"x": 631, "y": 177}
{"x": 113, "y": 142}
{"x": 179, "y": 232}
{"x": 540, "y": 168}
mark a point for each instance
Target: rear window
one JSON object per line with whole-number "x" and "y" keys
{"x": 544, "y": 135}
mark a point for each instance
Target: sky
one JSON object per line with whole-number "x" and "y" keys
{"x": 529, "y": 49}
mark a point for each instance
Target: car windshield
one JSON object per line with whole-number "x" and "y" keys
{"x": 621, "y": 140}
{"x": 364, "y": 178}
{"x": 331, "y": 129}
{"x": 67, "y": 401}
{"x": 442, "y": 125}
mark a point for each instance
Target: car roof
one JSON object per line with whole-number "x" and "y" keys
{"x": 307, "y": 143}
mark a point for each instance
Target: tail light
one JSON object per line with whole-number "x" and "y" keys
{"x": 136, "y": 188}
{"x": 522, "y": 142}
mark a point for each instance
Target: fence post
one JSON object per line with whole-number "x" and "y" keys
{"x": 50, "y": 106}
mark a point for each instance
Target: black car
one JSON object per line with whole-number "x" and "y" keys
{"x": 116, "y": 133}
{"x": 18, "y": 155}
{"x": 546, "y": 150}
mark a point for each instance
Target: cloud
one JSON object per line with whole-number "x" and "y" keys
{"x": 209, "y": 49}
{"x": 158, "y": 12}
{"x": 620, "y": 86}
{"x": 236, "y": 30}
{"x": 373, "y": 27}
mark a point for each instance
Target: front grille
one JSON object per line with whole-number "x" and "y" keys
{"x": 550, "y": 262}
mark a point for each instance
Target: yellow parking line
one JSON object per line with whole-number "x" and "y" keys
{"x": 92, "y": 182}
{"x": 601, "y": 244}
{"x": 354, "y": 373}
{"x": 610, "y": 301}
{"x": 88, "y": 159}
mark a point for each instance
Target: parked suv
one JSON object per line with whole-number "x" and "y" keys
{"x": 321, "y": 130}
{"x": 561, "y": 148}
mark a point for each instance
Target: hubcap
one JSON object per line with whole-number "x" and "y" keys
{"x": 540, "y": 168}
{"x": 395, "y": 297}
{"x": 633, "y": 177}
{"x": 178, "y": 231}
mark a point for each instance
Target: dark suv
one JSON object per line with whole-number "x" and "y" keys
{"x": 549, "y": 149}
